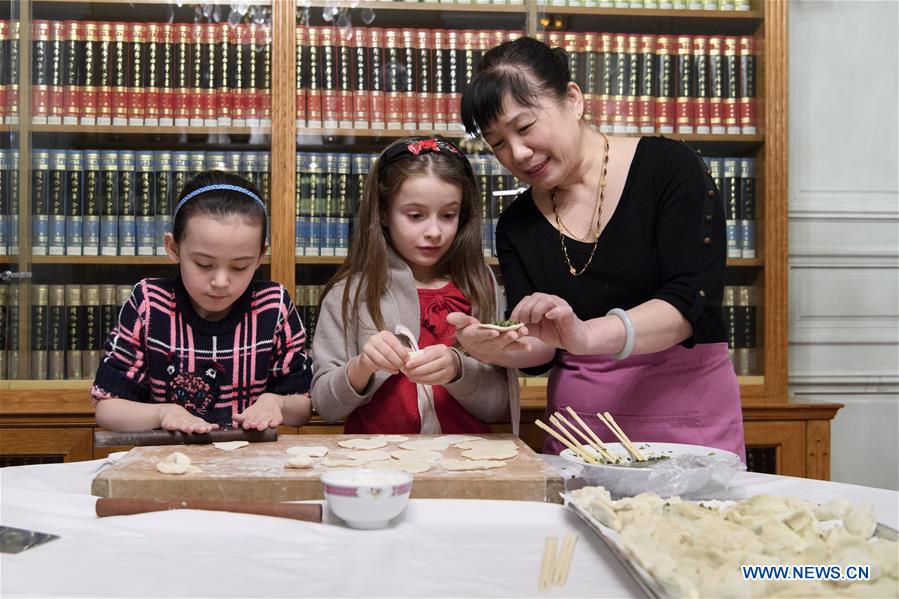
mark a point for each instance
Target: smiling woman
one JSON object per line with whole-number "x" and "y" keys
{"x": 210, "y": 348}
{"x": 613, "y": 260}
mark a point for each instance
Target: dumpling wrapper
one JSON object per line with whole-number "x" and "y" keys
{"x": 230, "y": 445}
{"x": 313, "y": 451}
{"x": 457, "y": 465}
{"x": 411, "y": 466}
{"x": 362, "y": 443}
{"x": 300, "y": 461}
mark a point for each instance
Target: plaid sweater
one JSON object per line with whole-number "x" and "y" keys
{"x": 162, "y": 351}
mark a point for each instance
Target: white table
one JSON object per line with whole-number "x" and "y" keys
{"x": 438, "y": 548}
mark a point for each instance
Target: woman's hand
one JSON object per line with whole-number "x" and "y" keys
{"x": 433, "y": 365}
{"x": 266, "y": 412}
{"x": 176, "y": 418}
{"x": 550, "y": 319}
{"x": 486, "y": 345}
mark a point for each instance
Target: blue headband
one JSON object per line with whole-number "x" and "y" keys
{"x": 217, "y": 186}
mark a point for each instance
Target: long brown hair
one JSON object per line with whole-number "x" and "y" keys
{"x": 367, "y": 261}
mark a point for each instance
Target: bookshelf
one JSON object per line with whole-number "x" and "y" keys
{"x": 280, "y": 134}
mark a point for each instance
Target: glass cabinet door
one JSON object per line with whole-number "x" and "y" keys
{"x": 119, "y": 104}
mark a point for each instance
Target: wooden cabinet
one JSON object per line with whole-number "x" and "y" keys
{"x": 277, "y": 133}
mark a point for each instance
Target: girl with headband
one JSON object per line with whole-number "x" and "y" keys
{"x": 211, "y": 348}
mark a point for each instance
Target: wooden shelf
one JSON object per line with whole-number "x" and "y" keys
{"x": 118, "y": 260}
{"x": 173, "y": 2}
{"x": 734, "y": 262}
{"x": 425, "y": 6}
{"x": 144, "y": 130}
{"x": 653, "y": 13}
{"x": 337, "y": 134}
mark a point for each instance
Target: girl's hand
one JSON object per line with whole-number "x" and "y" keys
{"x": 176, "y": 418}
{"x": 550, "y": 319}
{"x": 266, "y": 412}
{"x": 383, "y": 351}
{"x": 433, "y": 365}
{"x": 486, "y": 345}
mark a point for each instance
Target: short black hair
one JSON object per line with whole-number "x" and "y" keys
{"x": 524, "y": 69}
{"x": 219, "y": 202}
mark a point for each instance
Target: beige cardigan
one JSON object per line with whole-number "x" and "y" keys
{"x": 488, "y": 392}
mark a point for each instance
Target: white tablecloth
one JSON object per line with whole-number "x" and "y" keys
{"x": 438, "y": 548}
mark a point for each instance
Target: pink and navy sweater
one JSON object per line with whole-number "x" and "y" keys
{"x": 162, "y": 351}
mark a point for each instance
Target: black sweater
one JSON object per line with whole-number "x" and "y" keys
{"x": 665, "y": 240}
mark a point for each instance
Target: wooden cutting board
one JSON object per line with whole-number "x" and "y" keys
{"x": 257, "y": 473}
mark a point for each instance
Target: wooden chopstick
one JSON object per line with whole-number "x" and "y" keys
{"x": 563, "y": 562}
{"x": 625, "y": 442}
{"x": 608, "y": 416}
{"x": 547, "y": 566}
{"x": 555, "y": 421}
{"x": 599, "y": 449}
{"x": 573, "y": 447}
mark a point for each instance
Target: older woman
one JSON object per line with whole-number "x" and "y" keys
{"x": 614, "y": 259}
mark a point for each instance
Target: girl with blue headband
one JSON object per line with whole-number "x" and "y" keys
{"x": 211, "y": 348}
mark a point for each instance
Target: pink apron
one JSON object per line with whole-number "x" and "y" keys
{"x": 678, "y": 395}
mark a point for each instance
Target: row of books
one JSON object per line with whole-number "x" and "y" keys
{"x": 633, "y": 83}
{"x": 644, "y": 83}
{"x": 736, "y": 5}
{"x": 108, "y": 202}
{"x": 116, "y": 73}
{"x": 69, "y": 325}
{"x": 740, "y": 319}
{"x": 735, "y": 178}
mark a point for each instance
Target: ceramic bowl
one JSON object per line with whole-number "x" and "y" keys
{"x": 674, "y": 468}
{"x": 366, "y": 498}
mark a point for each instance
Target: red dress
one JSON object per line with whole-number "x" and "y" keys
{"x": 394, "y": 407}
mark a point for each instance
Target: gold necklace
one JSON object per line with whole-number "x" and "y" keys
{"x": 600, "y": 196}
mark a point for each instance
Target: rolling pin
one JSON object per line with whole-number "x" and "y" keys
{"x": 163, "y": 437}
{"x": 115, "y": 506}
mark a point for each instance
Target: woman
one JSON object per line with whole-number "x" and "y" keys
{"x": 614, "y": 259}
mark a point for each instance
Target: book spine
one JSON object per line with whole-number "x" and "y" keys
{"x": 4, "y": 208}
{"x": 109, "y": 311}
{"x": 168, "y": 80}
{"x": 40, "y": 209}
{"x": 127, "y": 211}
{"x": 197, "y": 74}
{"x": 604, "y": 76}
{"x": 198, "y": 163}
{"x": 377, "y": 74}
{"x": 343, "y": 206}
{"x": 120, "y": 73}
{"x": 74, "y": 332}
{"x": 329, "y": 210}
{"x": 302, "y": 73}
{"x": 109, "y": 205}
{"x": 209, "y": 100}
{"x": 482, "y": 173}
{"x": 425, "y": 78}
{"x": 93, "y": 200}
{"x": 152, "y": 78}
{"x": 264, "y": 101}
{"x": 344, "y": 69}
{"x": 92, "y": 334}
{"x": 56, "y": 333}
{"x": 162, "y": 191}
{"x": 665, "y": 101}
{"x": 314, "y": 106}
{"x": 647, "y": 85}
{"x": 632, "y": 85}
{"x": 685, "y": 83}
{"x": 619, "y": 83}
{"x": 55, "y": 81}
{"x": 586, "y": 45}
{"x": 729, "y": 309}
{"x": 264, "y": 180}
{"x": 701, "y": 94}
{"x": 180, "y": 176}
{"x": 139, "y": 82}
{"x": 747, "y": 109}
{"x": 747, "y": 207}
{"x": 14, "y": 203}
{"x": 74, "y": 203}
{"x": 237, "y": 73}
{"x": 441, "y": 64}
{"x": 315, "y": 205}
{"x": 144, "y": 204}
{"x": 40, "y": 321}
{"x": 394, "y": 82}
{"x": 224, "y": 64}
{"x": 12, "y": 109}
{"x": 732, "y": 81}
{"x": 4, "y": 96}
{"x": 105, "y": 79}
{"x": 298, "y": 205}
{"x": 56, "y": 202}
{"x": 184, "y": 91}
{"x": 716, "y": 85}
{"x": 731, "y": 193}
{"x": 745, "y": 352}
{"x": 12, "y": 344}
{"x": 72, "y": 63}
{"x": 91, "y": 54}
{"x": 361, "y": 116}
{"x": 40, "y": 72}
{"x": 409, "y": 73}
{"x": 454, "y": 81}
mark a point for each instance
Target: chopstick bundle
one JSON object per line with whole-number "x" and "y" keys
{"x": 593, "y": 442}
{"x": 607, "y": 419}
{"x": 563, "y": 563}
{"x": 554, "y": 567}
{"x": 547, "y": 566}
{"x": 572, "y": 445}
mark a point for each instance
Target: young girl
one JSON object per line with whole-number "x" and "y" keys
{"x": 416, "y": 257}
{"x": 211, "y": 348}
